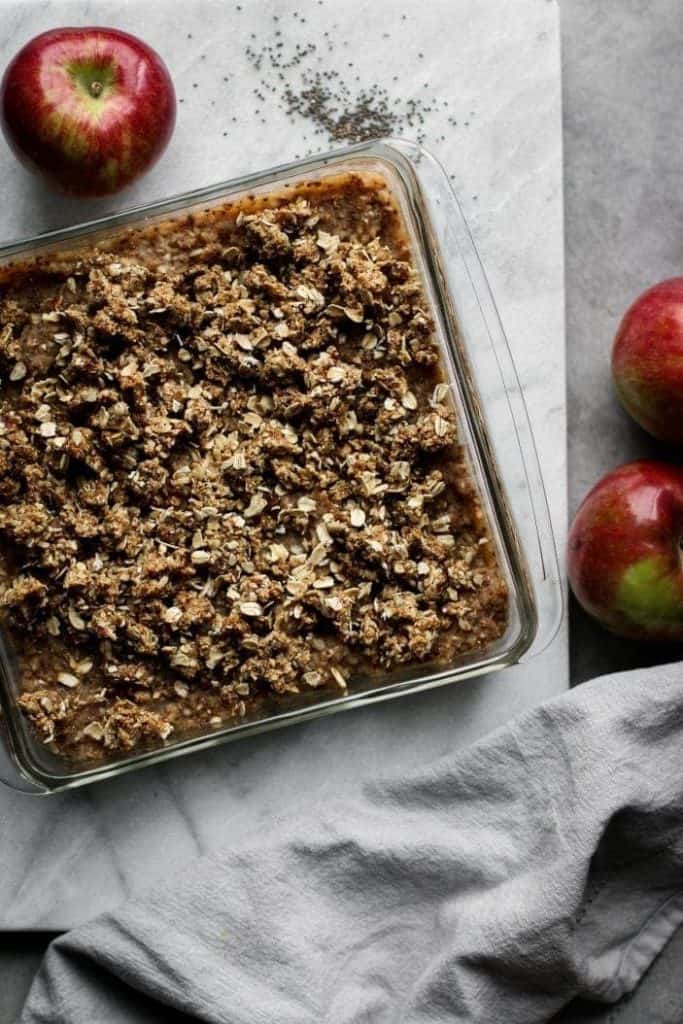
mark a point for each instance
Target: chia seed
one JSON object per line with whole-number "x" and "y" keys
{"x": 338, "y": 109}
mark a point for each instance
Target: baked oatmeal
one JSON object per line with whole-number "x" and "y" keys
{"x": 230, "y": 477}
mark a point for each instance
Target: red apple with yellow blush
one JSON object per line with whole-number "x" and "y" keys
{"x": 625, "y": 554}
{"x": 647, "y": 360}
{"x": 89, "y": 108}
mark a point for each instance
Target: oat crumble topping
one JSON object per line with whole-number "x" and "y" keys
{"x": 229, "y": 472}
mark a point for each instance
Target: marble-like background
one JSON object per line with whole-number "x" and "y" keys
{"x": 66, "y": 857}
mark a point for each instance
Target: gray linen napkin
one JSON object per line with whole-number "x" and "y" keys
{"x": 496, "y": 885}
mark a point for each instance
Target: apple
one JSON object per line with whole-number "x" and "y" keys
{"x": 625, "y": 551}
{"x": 647, "y": 360}
{"x": 89, "y": 108}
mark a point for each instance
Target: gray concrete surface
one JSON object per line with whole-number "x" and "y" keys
{"x": 623, "y": 124}
{"x": 20, "y": 956}
{"x": 622, "y": 87}
{"x": 623, "y": 95}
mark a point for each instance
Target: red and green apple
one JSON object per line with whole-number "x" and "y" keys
{"x": 647, "y": 360}
{"x": 89, "y": 108}
{"x": 626, "y": 551}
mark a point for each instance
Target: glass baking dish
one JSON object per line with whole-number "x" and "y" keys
{"x": 493, "y": 426}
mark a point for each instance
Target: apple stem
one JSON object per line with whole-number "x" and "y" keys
{"x": 96, "y": 89}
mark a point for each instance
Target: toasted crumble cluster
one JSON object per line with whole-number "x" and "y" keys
{"x": 230, "y": 480}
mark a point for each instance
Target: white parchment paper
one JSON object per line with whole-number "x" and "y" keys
{"x": 496, "y": 62}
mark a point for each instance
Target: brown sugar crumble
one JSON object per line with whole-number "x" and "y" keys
{"x": 230, "y": 481}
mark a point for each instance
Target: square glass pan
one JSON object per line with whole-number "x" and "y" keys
{"x": 493, "y": 426}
